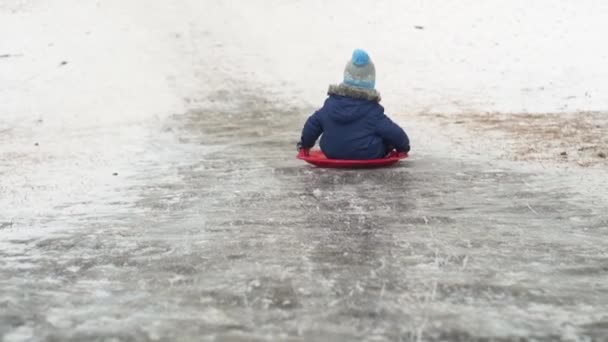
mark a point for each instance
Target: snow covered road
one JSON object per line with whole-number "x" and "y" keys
{"x": 232, "y": 239}
{"x": 163, "y": 201}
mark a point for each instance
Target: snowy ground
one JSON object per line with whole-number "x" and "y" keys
{"x": 149, "y": 190}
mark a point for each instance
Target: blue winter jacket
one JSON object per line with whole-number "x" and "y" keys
{"x": 354, "y": 126}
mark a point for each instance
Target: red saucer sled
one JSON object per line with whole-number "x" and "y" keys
{"x": 317, "y": 158}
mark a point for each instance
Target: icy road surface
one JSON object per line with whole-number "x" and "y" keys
{"x": 149, "y": 189}
{"x": 233, "y": 239}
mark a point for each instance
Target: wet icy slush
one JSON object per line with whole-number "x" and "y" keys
{"x": 233, "y": 239}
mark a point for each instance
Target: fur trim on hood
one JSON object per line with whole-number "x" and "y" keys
{"x": 357, "y": 93}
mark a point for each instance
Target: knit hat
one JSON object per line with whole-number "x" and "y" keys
{"x": 360, "y": 71}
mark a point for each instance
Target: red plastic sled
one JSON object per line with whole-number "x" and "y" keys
{"x": 317, "y": 158}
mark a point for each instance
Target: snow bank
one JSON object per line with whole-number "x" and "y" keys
{"x": 438, "y": 56}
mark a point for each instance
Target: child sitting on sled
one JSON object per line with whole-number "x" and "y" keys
{"x": 352, "y": 120}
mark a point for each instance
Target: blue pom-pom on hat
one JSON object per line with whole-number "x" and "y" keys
{"x": 360, "y": 57}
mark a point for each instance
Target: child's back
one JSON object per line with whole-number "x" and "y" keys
{"x": 352, "y": 120}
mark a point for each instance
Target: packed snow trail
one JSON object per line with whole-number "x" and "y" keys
{"x": 234, "y": 239}
{"x": 149, "y": 188}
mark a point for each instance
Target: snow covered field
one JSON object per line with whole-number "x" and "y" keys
{"x": 148, "y": 189}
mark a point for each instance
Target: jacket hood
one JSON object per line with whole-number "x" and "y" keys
{"x": 350, "y": 104}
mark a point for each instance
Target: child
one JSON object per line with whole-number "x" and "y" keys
{"x": 352, "y": 120}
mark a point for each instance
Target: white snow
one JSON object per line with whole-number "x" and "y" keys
{"x": 131, "y": 64}
{"x": 116, "y": 71}
{"x": 510, "y": 56}
{"x": 66, "y": 128}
